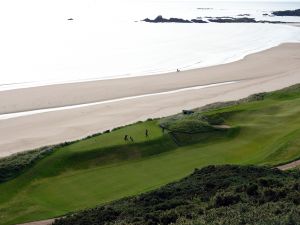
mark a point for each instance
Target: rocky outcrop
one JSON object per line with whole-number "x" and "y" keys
{"x": 272, "y": 22}
{"x": 232, "y": 20}
{"x": 287, "y": 13}
{"x": 198, "y": 21}
{"x": 241, "y": 20}
{"x": 244, "y": 15}
{"x": 204, "y": 8}
{"x": 160, "y": 19}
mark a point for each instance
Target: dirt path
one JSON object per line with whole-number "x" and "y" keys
{"x": 289, "y": 165}
{"x": 42, "y": 222}
{"x": 224, "y": 126}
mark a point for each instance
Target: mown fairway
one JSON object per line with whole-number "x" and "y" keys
{"x": 105, "y": 168}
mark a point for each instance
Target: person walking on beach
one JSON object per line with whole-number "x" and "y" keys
{"x": 147, "y": 133}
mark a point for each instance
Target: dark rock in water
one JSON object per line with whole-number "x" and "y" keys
{"x": 160, "y": 19}
{"x": 244, "y": 15}
{"x": 70, "y": 19}
{"x": 242, "y": 20}
{"x": 198, "y": 21}
{"x": 233, "y": 20}
{"x": 204, "y": 8}
{"x": 227, "y": 19}
{"x": 272, "y": 22}
{"x": 220, "y": 17}
{"x": 287, "y": 13}
{"x": 178, "y": 20}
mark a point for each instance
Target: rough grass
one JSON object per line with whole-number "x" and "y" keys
{"x": 213, "y": 195}
{"x": 106, "y": 168}
{"x": 13, "y": 165}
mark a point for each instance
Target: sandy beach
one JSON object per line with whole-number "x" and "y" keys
{"x": 264, "y": 71}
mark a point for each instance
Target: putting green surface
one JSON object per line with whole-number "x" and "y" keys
{"x": 105, "y": 168}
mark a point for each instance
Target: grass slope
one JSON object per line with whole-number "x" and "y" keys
{"x": 12, "y": 166}
{"x": 213, "y": 195}
{"x": 106, "y": 168}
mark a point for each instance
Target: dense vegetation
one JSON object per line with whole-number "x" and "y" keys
{"x": 213, "y": 195}
{"x": 263, "y": 130}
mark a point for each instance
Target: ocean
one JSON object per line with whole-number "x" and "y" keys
{"x": 58, "y": 41}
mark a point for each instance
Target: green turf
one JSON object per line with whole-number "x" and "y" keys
{"x": 105, "y": 168}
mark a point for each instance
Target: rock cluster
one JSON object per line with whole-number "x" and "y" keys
{"x": 161, "y": 19}
{"x": 287, "y": 13}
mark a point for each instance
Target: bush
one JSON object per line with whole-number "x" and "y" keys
{"x": 226, "y": 199}
{"x": 252, "y": 189}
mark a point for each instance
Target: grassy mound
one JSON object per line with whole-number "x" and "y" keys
{"x": 13, "y": 165}
{"x": 262, "y": 129}
{"x": 213, "y": 195}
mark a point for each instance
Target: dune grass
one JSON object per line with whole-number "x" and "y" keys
{"x": 105, "y": 168}
{"x": 12, "y": 166}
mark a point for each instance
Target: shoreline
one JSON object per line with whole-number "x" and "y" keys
{"x": 269, "y": 70}
{"x": 191, "y": 66}
{"x": 99, "y": 90}
{"x": 184, "y": 68}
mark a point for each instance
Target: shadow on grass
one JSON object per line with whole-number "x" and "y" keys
{"x": 111, "y": 155}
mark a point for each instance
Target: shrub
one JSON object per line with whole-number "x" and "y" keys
{"x": 226, "y": 199}
{"x": 252, "y": 189}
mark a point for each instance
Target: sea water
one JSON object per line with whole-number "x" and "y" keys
{"x": 57, "y": 41}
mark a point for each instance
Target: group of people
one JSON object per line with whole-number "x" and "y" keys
{"x": 129, "y": 138}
